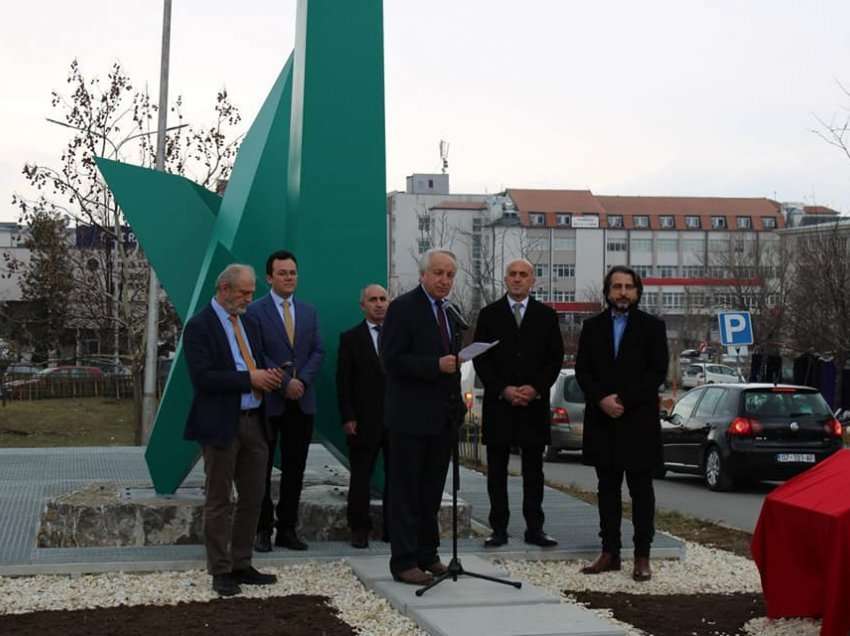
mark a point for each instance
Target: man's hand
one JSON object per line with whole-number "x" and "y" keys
{"x": 528, "y": 392}
{"x": 515, "y": 396}
{"x": 448, "y": 364}
{"x": 294, "y": 390}
{"x": 266, "y": 379}
{"x": 611, "y": 405}
{"x": 350, "y": 427}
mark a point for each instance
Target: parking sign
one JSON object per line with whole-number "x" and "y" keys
{"x": 736, "y": 328}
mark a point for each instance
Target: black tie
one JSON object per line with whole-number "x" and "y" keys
{"x": 444, "y": 327}
{"x": 377, "y": 329}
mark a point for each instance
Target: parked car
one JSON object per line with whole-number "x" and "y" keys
{"x": 566, "y": 400}
{"x": 731, "y": 433}
{"x": 700, "y": 373}
{"x": 53, "y": 374}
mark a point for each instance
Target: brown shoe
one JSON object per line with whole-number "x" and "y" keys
{"x": 605, "y": 562}
{"x": 413, "y": 576}
{"x": 436, "y": 568}
{"x": 642, "y": 571}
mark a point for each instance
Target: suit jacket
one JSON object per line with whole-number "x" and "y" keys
{"x": 218, "y": 387}
{"x": 419, "y": 399}
{"x": 306, "y": 356}
{"x": 360, "y": 385}
{"x": 633, "y": 440}
{"x": 529, "y": 354}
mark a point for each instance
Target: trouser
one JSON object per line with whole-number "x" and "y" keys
{"x": 417, "y": 476}
{"x": 362, "y": 458}
{"x": 611, "y": 508}
{"x": 229, "y": 538}
{"x": 293, "y": 431}
{"x": 532, "y": 486}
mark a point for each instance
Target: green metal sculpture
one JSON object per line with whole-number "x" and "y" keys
{"x": 309, "y": 177}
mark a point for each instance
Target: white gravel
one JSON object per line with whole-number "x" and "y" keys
{"x": 703, "y": 570}
{"x": 357, "y": 606}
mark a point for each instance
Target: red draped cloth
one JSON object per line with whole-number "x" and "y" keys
{"x": 801, "y": 546}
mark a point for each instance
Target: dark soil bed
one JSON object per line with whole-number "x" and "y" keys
{"x": 295, "y": 615}
{"x": 678, "y": 614}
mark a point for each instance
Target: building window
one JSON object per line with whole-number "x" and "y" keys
{"x": 424, "y": 223}
{"x": 667, "y": 222}
{"x": 768, "y": 222}
{"x": 644, "y": 271}
{"x": 692, "y": 222}
{"x": 695, "y": 300}
{"x": 540, "y": 270}
{"x": 557, "y": 296}
{"x": 537, "y": 218}
{"x": 720, "y": 246}
{"x": 565, "y": 244}
{"x": 615, "y": 220}
{"x": 672, "y": 300}
{"x": 718, "y": 222}
{"x": 476, "y": 225}
{"x": 668, "y": 271}
{"x": 667, "y": 245}
{"x": 617, "y": 245}
{"x": 693, "y": 271}
{"x": 564, "y": 219}
{"x": 693, "y": 246}
{"x": 640, "y": 221}
{"x": 424, "y": 245}
{"x": 744, "y": 223}
{"x": 540, "y": 294}
{"x": 562, "y": 270}
{"x": 641, "y": 245}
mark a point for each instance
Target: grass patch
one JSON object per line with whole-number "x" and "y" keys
{"x": 94, "y": 421}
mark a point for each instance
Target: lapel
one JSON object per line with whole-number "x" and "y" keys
{"x": 366, "y": 341}
{"x": 608, "y": 334}
{"x": 300, "y": 325}
{"x": 220, "y": 336}
{"x": 428, "y": 310}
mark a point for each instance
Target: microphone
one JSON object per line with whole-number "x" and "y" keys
{"x": 457, "y": 318}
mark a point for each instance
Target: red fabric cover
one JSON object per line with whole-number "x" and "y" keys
{"x": 801, "y": 546}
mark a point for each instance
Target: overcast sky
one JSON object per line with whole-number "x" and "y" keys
{"x": 675, "y": 97}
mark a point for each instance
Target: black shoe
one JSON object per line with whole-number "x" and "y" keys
{"x": 225, "y": 585}
{"x": 538, "y": 537}
{"x": 288, "y": 539}
{"x": 263, "y": 541}
{"x": 250, "y": 576}
{"x": 360, "y": 539}
{"x": 496, "y": 539}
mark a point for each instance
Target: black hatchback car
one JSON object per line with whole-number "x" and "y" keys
{"x": 748, "y": 432}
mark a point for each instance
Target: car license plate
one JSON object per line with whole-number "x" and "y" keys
{"x": 795, "y": 458}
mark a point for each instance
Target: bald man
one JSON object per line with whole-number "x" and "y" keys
{"x": 517, "y": 375}
{"x": 360, "y": 393}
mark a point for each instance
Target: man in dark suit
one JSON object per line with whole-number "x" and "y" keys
{"x": 422, "y": 403}
{"x": 621, "y": 361}
{"x": 360, "y": 393}
{"x": 224, "y": 352}
{"x": 517, "y": 374}
{"x": 291, "y": 337}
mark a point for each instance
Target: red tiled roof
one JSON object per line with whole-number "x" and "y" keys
{"x": 551, "y": 202}
{"x": 819, "y": 209}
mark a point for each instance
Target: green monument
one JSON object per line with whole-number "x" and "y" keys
{"x": 309, "y": 177}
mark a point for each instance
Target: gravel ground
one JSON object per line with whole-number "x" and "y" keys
{"x": 704, "y": 570}
{"x": 357, "y": 606}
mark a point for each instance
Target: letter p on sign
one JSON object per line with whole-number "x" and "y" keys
{"x": 735, "y": 328}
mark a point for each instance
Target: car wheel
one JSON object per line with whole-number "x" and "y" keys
{"x": 550, "y": 454}
{"x": 716, "y": 474}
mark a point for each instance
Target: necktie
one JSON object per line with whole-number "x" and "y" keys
{"x": 518, "y": 313}
{"x": 287, "y": 322}
{"x": 377, "y": 329}
{"x": 444, "y": 327}
{"x": 243, "y": 348}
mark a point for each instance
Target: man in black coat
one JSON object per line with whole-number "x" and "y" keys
{"x": 517, "y": 375}
{"x": 224, "y": 353}
{"x": 622, "y": 360}
{"x": 422, "y": 403}
{"x": 360, "y": 393}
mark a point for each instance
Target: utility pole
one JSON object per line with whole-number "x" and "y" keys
{"x": 149, "y": 402}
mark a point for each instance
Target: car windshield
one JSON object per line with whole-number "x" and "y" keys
{"x": 771, "y": 403}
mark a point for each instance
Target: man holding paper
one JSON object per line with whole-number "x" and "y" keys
{"x": 517, "y": 375}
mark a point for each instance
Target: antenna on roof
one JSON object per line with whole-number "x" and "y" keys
{"x": 444, "y": 155}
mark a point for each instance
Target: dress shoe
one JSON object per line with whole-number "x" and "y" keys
{"x": 496, "y": 539}
{"x": 288, "y": 539}
{"x": 538, "y": 537}
{"x": 225, "y": 585}
{"x": 360, "y": 539}
{"x": 605, "y": 562}
{"x": 436, "y": 568}
{"x": 642, "y": 571}
{"x": 413, "y": 576}
{"x": 250, "y": 576}
{"x": 263, "y": 542}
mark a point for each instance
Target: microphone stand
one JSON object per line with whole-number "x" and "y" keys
{"x": 455, "y": 568}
